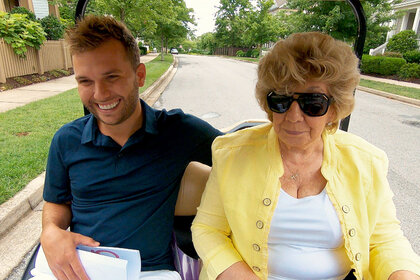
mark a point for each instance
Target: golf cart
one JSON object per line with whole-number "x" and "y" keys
{"x": 194, "y": 179}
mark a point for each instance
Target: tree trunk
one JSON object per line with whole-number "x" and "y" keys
{"x": 161, "y": 48}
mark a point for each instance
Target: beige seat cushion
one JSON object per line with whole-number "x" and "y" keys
{"x": 192, "y": 186}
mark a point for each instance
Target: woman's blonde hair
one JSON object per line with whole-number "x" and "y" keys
{"x": 310, "y": 56}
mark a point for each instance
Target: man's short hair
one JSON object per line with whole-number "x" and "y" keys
{"x": 92, "y": 31}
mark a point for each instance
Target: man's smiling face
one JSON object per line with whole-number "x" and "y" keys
{"x": 107, "y": 83}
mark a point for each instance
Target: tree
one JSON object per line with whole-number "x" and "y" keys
{"x": 337, "y": 19}
{"x": 172, "y": 19}
{"x": 207, "y": 42}
{"x": 230, "y": 21}
{"x": 261, "y": 26}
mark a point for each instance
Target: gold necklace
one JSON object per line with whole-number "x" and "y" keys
{"x": 295, "y": 175}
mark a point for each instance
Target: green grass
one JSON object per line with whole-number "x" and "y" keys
{"x": 394, "y": 89}
{"x": 155, "y": 69}
{"x": 26, "y": 132}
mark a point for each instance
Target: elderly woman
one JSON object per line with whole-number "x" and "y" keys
{"x": 295, "y": 198}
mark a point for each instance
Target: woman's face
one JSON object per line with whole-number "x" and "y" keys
{"x": 294, "y": 128}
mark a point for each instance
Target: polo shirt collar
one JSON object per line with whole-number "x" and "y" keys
{"x": 91, "y": 132}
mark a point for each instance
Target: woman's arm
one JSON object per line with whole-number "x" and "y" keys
{"x": 239, "y": 271}
{"x": 390, "y": 251}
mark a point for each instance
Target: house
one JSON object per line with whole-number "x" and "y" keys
{"x": 41, "y": 8}
{"x": 409, "y": 21}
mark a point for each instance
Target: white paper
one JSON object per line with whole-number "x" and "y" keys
{"x": 100, "y": 263}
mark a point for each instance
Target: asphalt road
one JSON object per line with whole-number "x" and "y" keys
{"x": 221, "y": 91}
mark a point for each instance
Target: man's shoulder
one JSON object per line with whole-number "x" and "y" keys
{"x": 72, "y": 129}
{"x": 184, "y": 123}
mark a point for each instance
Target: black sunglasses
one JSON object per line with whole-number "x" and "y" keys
{"x": 312, "y": 104}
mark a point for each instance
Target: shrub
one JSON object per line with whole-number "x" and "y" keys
{"x": 370, "y": 64}
{"x": 255, "y": 53}
{"x": 23, "y": 11}
{"x": 248, "y": 53}
{"x": 240, "y": 53}
{"x": 412, "y": 56}
{"x": 393, "y": 54}
{"x": 143, "y": 50}
{"x": 390, "y": 65}
{"x": 409, "y": 71}
{"x": 403, "y": 42}
{"x": 381, "y": 65}
{"x": 18, "y": 31}
{"x": 53, "y": 27}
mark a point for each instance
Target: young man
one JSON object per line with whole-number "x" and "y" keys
{"x": 113, "y": 176}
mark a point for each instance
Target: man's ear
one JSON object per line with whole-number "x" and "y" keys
{"x": 141, "y": 74}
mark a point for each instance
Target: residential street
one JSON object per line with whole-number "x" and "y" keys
{"x": 221, "y": 91}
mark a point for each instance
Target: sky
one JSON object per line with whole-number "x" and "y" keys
{"x": 204, "y": 11}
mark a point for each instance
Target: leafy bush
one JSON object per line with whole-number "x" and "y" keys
{"x": 23, "y": 11}
{"x": 143, "y": 50}
{"x": 412, "y": 56}
{"x": 390, "y": 65}
{"x": 240, "y": 53}
{"x": 403, "y": 42}
{"x": 255, "y": 53}
{"x": 53, "y": 27}
{"x": 19, "y": 32}
{"x": 381, "y": 65}
{"x": 409, "y": 71}
{"x": 248, "y": 53}
{"x": 393, "y": 54}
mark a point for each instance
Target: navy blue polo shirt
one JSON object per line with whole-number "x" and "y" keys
{"x": 125, "y": 196}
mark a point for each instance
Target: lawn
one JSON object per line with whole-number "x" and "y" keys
{"x": 399, "y": 90}
{"x": 26, "y": 132}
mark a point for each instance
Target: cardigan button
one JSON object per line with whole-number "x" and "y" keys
{"x": 256, "y": 268}
{"x": 358, "y": 257}
{"x": 267, "y": 201}
{"x": 345, "y": 209}
{"x": 352, "y": 232}
{"x": 256, "y": 247}
{"x": 260, "y": 224}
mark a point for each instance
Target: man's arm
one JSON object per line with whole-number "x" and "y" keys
{"x": 60, "y": 245}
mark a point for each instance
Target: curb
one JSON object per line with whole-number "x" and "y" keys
{"x": 26, "y": 200}
{"x": 19, "y": 205}
{"x": 412, "y": 101}
{"x": 149, "y": 95}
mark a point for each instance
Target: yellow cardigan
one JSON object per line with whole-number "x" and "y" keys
{"x": 233, "y": 220}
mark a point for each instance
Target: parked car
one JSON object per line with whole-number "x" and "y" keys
{"x": 174, "y": 51}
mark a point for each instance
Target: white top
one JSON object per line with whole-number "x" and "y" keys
{"x": 305, "y": 240}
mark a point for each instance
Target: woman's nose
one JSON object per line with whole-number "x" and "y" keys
{"x": 294, "y": 114}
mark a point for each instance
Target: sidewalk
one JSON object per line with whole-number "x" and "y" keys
{"x": 20, "y": 216}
